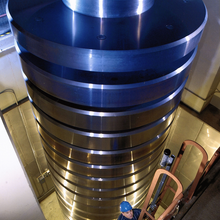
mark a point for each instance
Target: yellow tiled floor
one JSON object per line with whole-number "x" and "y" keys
{"x": 51, "y": 208}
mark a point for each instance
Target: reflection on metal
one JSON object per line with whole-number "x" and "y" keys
{"x": 109, "y": 9}
{"x": 104, "y": 88}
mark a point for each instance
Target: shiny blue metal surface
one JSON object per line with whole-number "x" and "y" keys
{"x": 108, "y": 120}
{"x": 104, "y": 95}
{"x": 105, "y": 79}
{"x": 137, "y": 41}
{"x": 109, "y": 9}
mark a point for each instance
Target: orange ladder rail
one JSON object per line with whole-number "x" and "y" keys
{"x": 215, "y": 156}
{"x": 177, "y": 197}
{"x": 200, "y": 170}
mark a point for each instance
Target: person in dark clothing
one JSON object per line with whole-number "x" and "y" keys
{"x": 127, "y": 212}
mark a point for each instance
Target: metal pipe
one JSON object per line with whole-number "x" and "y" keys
{"x": 10, "y": 90}
{"x": 168, "y": 167}
{"x": 5, "y": 49}
{"x": 3, "y": 15}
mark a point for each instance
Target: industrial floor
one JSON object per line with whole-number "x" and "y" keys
{"x": 202, "y": 128}
{"x": 51, "y": 208}
{"x": 205, "y": 202}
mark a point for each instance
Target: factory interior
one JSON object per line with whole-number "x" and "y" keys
{"x": 34, "y": 181}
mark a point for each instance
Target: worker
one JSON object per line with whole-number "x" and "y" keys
{"x": 127, "y": 212}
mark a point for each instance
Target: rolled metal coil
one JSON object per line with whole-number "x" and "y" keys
{"x": 104, "y": 80}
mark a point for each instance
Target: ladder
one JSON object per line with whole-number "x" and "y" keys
{"x": 202, "y": 170}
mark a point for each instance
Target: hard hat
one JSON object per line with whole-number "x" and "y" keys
{"x": 125, "y": 206}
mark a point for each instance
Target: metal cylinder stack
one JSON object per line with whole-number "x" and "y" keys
{"x": 104, "y": 78}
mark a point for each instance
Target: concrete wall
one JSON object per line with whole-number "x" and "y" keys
{"x": 10, "y": 73}
{"x": 205, "y": 73}
{"x": 18, "y": 200}
{"x": 216, "y": 98}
